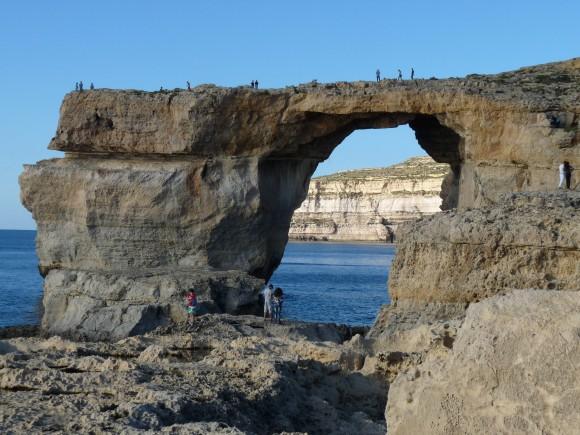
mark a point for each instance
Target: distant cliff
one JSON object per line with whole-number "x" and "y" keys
{"x": 368, "y": 204}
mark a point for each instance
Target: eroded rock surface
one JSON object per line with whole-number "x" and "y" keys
{"x": 223, "y": 375}
{"x": 176, "y": 186}
{"x": 369, "y": 204}
{"x": 511, "y": 370}
{"x": 527, "y": 240}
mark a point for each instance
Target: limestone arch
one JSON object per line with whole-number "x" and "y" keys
{"x": 284, "y": 180}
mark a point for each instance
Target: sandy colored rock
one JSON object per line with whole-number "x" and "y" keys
{"x": 369, "y": 204}
{"x": 191, "y": 183}
{"x": 223, "y": 375}
{"x": 512, "y": 369}
{"x": 528, "y": 240}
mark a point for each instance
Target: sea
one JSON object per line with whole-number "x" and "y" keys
{"x": 322, "y": 281}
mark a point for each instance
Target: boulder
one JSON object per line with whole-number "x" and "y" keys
{"x": 511, "y": 369}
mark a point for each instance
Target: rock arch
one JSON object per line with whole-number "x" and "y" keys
{"x": 166, "y": 190}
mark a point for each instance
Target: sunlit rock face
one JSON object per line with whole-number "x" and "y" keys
{"x": 180, "y": 187}
{"x": 369, "y": 204}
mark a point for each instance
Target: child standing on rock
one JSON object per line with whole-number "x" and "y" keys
{"x": 191, "y": 305}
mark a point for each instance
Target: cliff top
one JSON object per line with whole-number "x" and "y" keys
{"x": 415, "y": 167}
{"x": 309, "y": 120}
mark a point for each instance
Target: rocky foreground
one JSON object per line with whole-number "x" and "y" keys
{"x": 224, "y": 374}
{"x": 509, "y": 366}
{"x": 369, "y": 204}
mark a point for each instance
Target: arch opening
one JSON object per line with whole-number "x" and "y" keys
{"x": 334, "y": 267}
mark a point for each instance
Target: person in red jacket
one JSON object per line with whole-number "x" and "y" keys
{"x": 191, "y": 305}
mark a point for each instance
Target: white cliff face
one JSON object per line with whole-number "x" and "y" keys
{"x": 368, "y": 204}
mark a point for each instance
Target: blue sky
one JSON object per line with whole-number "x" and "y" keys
{"x": 46, "y": 46}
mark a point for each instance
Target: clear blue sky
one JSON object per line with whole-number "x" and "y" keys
{"x": 45, "y": 46}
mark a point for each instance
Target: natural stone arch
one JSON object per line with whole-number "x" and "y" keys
{"x": 284, "y": 181}
{"x": 164, "y": 190}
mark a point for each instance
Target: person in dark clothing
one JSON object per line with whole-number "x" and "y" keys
{"x": 567, "y": 169}
{"x": 277, "y": 300}
{"x": 76, "y": 86}
{"x": 554, "y": 121}
{"x": 253, "y": 84}
{"x": 256, "y": 84}
{"x": 400, "y": 77}
{"x": 412, "y": 73}
{"x": 188, "y": 86}
{"x": 92, "y": 87}
{"x": 378, "y": 75}
{"x": 80, "y": 86}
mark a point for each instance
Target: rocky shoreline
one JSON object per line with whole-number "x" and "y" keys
{"x": 224, "y": 374}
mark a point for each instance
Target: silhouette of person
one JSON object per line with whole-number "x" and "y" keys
{"x": 412, "y": 73}
{"x": 565, "y": 174}
{"x": 76, "y": 86}
{"x": 161, "y": 89}
{"x": 256, "y": 84}
{"x": 92, "y": 87}
{"x": 378, "y": 75}
{"x": 400, "y": 77}
{"x": 188, "y": 86}
{"x": 80, "y": 86}
{"x": 253, "y": 84}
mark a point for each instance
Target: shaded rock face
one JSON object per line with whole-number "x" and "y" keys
{"x": 511, "y": 369}
{"x": 188, "y": 184}
{"x": 369, "y": 204}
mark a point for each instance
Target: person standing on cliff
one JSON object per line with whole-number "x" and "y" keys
{"x": 565, "y": 174}
{"x": 267, "y": 293}
{"x": 80, "y": 86}
{"x": 92, "y": 87}
{"x": 256, "y": 84}
{"x": 378, "y": 75}
{"x": 400, "y": 77}
{"x": 412, "y": 73}
{"x": 76, "y": 86}
{"x": 188, "y": 86}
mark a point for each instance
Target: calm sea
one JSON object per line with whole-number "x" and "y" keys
{"x": 20, "y": 282}
{"x": 322, "y": 282}
{"x": 334, "y": 282}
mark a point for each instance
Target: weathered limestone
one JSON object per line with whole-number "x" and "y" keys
{"x": 181, "y": 185}
{"x": 528, "y": 240}
{"x": 223, "y": 375}
{"x": 512, "y": 370}
{"x": 369, "y": 204}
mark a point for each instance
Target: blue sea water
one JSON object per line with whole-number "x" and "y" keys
{"x": 334, "y": 282}
{"x": 323, "y": 282}
{"x": 20, "y": 282}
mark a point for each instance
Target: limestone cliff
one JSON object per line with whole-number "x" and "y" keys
{"x": 159, "y": 191}
{"x": 369, "y": 204}
{"x": 484, "y": 321}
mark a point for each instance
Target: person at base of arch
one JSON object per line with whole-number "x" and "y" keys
{"x": 191, "y": 305}
{"x": 267, "y": 293}
{"x": 277, "y": 300}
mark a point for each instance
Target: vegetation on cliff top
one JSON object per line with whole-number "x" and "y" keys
{"x": 415, "y": 167}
